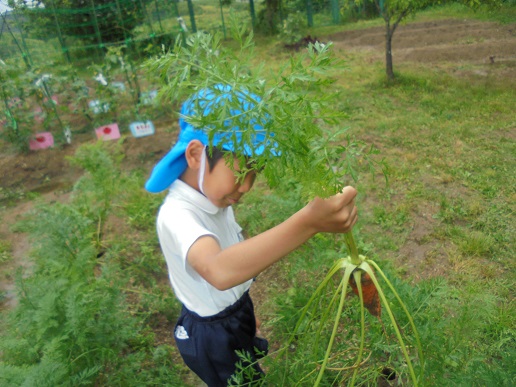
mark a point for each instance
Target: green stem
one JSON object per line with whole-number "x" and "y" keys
{"x": 345, "y": 280}
{"x": 409, "y": 316}
{"x": 336, "y": 267}
{"x": 365, "y": 266}
{"x": 328, "y": 309}
{"x": 47, "y": 93}
{"x": 8, "y": 112}
{"x": 357, "y": 274}
{"x": 352, "y": 247}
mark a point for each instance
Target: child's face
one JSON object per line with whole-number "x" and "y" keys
{"x": 223, "y": 187}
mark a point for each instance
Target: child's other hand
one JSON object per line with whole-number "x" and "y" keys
{"x": 336, "y": 214}
{"x": 258, "y": 325}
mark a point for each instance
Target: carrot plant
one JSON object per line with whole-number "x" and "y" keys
{"x": 73, "y": 322}
{"x": 292, "y": 104}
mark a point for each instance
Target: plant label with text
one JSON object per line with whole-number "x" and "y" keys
{"x": 142, "y": 129}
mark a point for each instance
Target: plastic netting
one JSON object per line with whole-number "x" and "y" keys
{"x": 83, "y": 29}
{"x": 75, "y": 30}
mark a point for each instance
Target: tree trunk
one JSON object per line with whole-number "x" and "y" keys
{"x": 388, "y": 52}
{"x": 272, "y": 15}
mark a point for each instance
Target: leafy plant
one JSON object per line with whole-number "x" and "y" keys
{"x": 40, "y": 88}
{"x": 5, "y": 252}
{"x": 293, "y": 110}
{"x": 73, "y": 324}
{"x": 15, "y": 126}
{"x": 293, "y": 28}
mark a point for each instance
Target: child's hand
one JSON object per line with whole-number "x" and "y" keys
{"x": 226, "y": 268}
{"x": 336, "y": 214}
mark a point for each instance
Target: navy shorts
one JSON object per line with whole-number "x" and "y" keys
{"x": 208, "y": 344}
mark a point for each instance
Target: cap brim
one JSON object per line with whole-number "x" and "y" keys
{"x": 168, "y": 169}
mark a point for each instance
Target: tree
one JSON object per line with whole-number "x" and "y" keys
{"x": 395, "y": 11}
{"x": 270, "y": 16}
{"x": 92, "y": 21}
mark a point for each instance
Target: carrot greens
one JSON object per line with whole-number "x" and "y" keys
{"x": 302, "y": 129}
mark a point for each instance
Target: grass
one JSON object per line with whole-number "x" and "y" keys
{"x": 446, "y": 220}
{"x": 443, "y": 228}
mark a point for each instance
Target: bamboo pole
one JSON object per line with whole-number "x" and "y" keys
{"x": 24, "y": 56}
{"x": 27, "y": 52}
{"x": 96, "y": 26}
{"x": 60, "y": 35}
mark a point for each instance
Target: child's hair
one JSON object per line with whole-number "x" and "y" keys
{"x": 213, "y": 155}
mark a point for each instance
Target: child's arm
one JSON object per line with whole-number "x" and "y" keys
{"x": 245, "y": 260}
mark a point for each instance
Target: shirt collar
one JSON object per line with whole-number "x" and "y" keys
{"x": 191, "y": 195}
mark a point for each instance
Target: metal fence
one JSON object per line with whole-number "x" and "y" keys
{"x": 86, "y": 28}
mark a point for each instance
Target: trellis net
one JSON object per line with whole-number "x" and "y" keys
{"x": 77, "y": 30}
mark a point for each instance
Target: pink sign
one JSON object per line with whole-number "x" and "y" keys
{"x": 108, "y": 132}
{"x": 41, "y": 141}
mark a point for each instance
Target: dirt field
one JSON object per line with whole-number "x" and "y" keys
{"x": 464, "y": 48}
{"x": 452, "y": 42}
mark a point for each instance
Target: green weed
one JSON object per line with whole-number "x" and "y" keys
{"x": 5, "y": 251}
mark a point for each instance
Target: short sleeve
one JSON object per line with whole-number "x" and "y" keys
{"x": 178, "y": 231}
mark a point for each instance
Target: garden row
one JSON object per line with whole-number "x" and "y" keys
{"x": 87, "y": 310}
{"x": 44, "y": 109}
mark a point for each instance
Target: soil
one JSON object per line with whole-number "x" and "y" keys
{"x": 437, "y": 42}
{"x": 466, "y": 47}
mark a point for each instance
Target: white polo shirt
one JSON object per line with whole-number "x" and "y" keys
{"x": 185, "y": 216}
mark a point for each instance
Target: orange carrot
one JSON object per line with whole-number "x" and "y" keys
{"x": 369, "y": 293}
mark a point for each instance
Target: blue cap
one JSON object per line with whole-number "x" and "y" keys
{"x": 173, "y": 164}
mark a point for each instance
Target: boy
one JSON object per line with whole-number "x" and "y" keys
{"x": 211, "y": 267}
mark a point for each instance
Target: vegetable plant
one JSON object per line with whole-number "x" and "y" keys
{"x": 302, "y": 139}
{"x": 85, "y": 309}
{"x": 41, "y": 89}
{"x": 14, "y": 121}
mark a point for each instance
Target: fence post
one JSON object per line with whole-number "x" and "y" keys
{"x": 222, "y": 17}
{"x": 192, "y": 15}
{"x": 335, "y": 11}
{"x": 253, "y": 13}
{"x": 309, "y": 13}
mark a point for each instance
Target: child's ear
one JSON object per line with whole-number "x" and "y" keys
{"x": 193, "y": 154}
